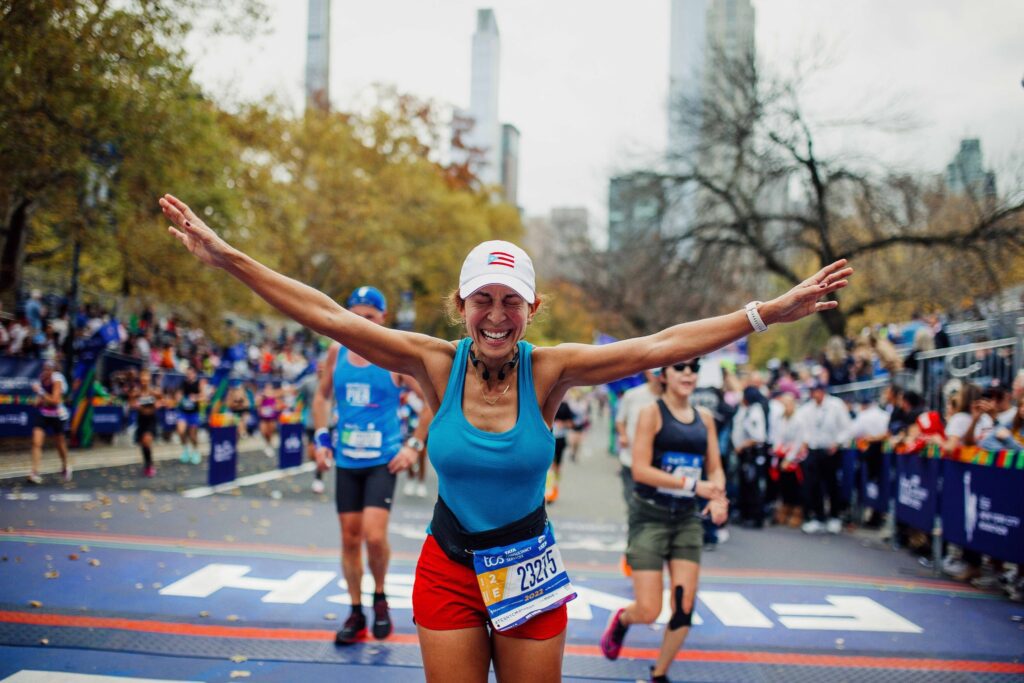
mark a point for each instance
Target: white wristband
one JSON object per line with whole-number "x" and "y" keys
{"x": 754, "y": 317}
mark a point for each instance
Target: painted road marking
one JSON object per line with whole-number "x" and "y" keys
{"x": 845, "y": 613}
{"x": 732, "y": 609}
{"x": 690, "y": 655}
{"x": 29, "y": 676}
{"x": 70, "y": 497}
{"x": 297, "y": 589}
{"x": 271, "y": 475}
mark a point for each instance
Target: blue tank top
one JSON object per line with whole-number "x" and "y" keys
{"x": 489, "y": 479}
{"x": 367, "y": 400}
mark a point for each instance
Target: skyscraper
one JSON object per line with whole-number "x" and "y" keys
{"x": 637, "y": 205}
{"x": 704, "y": 36}
{"x": 702, "y": 32}
{"x": 483, "y": 96}
{"x": 510, "y": 163}
{"x": 966, "y": 174}
{"x": 318, "y": 55}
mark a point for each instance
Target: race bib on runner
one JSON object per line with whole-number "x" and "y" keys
{"x": 522, "y": 580}
{"x": 361, "y": 443}
{"x": 681, "y": 465}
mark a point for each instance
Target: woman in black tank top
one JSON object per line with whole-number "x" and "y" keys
{"x": 675, "y": 461}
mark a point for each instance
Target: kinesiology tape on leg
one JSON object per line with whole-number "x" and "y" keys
{"x": 679, "y": 617}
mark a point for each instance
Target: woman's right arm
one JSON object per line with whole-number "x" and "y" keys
{"x": 387, "y": 348}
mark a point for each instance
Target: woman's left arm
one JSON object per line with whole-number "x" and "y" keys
{"x": 718, "y": 504}
{"x": 590, "y": 365}
{"x": 713, "y": 457}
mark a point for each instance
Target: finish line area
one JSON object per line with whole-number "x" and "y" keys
{"x": 189, "y": 609}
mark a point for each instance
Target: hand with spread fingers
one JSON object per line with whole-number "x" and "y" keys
{"x": 806, "y": 298}
{"x": 191, "y": 231}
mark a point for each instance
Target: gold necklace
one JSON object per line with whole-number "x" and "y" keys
{"x": 497, "y": 398}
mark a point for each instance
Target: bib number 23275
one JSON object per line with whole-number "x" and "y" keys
{"x": 522, "y": 580}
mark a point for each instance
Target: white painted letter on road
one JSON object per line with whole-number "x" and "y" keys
{"x": 845, "y": 613}
{"x": 297, "y": 589}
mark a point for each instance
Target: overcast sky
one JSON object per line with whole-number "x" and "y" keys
{"x": 586, "y": 82}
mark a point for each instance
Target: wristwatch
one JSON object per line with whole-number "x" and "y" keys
{"x": 415, "y": 444}
{"x": 754, "y": 317}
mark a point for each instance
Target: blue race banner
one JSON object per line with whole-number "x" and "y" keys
{"x": 875, "y": 494}
{"x": 982, "y": 509}
{"x": 223, "y": 455}
{"x": 107, "y": 419}
{"x": 917, "y": 491}
{"x": 290, "y": 451}
{"x": 16, "y": 420}
{"x": 17, "y": 375}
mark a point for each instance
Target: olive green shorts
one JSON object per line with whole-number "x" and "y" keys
{"x": 657, "y": 535}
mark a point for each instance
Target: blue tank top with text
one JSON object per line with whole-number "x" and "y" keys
{"x": 367, "y": 400}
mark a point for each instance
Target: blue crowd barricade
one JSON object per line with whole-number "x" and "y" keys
{"x": 290, "y": 450}
{"x": 848, "y": 474}
{"x": 17, "y": 375}
{"x": 982, "y": 509}
{"x": 107, "y": 419}
{"x": 223, "y": 455}
{"x": 167, "y": 418}
{"x": 876, "y": 494}
{"x": 17, "y": 419}
{"x": 917, "y": 490}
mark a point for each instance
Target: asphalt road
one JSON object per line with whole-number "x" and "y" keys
{"x": 113, "y": 575}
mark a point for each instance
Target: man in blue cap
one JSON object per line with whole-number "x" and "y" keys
{"x": 368, "y": 452}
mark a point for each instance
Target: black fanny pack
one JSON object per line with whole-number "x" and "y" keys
{"x": 459, "y": 544}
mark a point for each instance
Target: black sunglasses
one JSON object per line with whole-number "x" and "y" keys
{"x": 693, "y": 366}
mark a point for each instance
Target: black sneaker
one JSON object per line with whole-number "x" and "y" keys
{"x": 381, "y": 620}
{"x": 353, "y": 630}
{"x": 659, "y": 679}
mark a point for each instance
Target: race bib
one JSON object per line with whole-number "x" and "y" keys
{"x": 522, "y": 580}
{"x": 361, "y": 443}
{"x": 681, "y": 465}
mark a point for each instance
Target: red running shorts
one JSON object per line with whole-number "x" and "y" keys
{"x": 446, "y": 596}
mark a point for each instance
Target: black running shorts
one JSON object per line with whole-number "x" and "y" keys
{"x": 363, "y": 487}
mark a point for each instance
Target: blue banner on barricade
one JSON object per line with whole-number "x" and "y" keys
{"x": 848, "y": 474}
{"x": 17, "y": 375}
{"x": 290, "y": 451}
{"x": 17, "y": 420}
{"x": 917, "y": 491}
{"x": 107, "y": 419}
{"x": 167, "y": 418}
{"x": 223, "y": 455}
{"x": 875, "y": 492}
{"x": 982, "y": 509}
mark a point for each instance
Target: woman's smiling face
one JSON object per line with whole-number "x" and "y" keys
{"x": 496, "y": 319}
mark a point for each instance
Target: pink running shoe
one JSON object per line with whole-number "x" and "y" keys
{"x": 614, "y": 633}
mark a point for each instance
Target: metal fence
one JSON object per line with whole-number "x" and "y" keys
{"x": 982, "y": 363}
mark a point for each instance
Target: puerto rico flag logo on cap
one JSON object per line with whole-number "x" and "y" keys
{"x": 501, "y": 258}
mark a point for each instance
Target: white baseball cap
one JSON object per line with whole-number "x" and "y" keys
{"x": 497, "y": 262}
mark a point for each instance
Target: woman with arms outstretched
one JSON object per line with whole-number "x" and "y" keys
{"x": 494, "y": 397}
